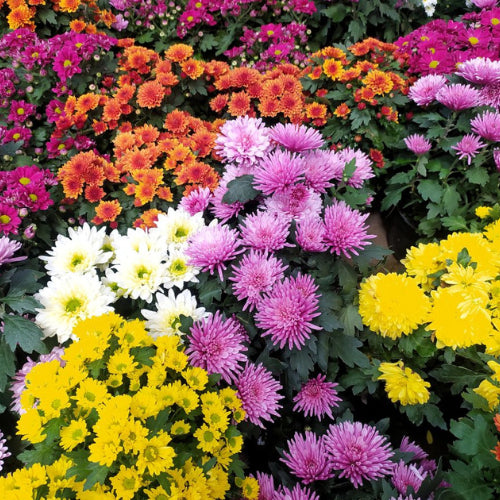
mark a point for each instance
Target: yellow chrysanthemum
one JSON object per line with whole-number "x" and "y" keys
{"x": 490, "y": 392}
{"x": 170, "y": 393}
{"x": 133, "y": 334}
{"x": 196, "y": 378}
{"x": 74, "y": 434}
{"x": 403, "y": 385}
{"x": 133, "y": 434}
{"x": 121, "y": 362}
{"x": 104, "y": 450}
{"x": 216, "y": 416}
{"x": 187, "y": 399}
{"x": 249, "y": 487}
{"x": 30, "y": 426}
{"x": 483, "y": 212}
{"x": 146, "y": 403}
{"x": 91, "y": 394}
{"x": 208, "y": 438}
{"x": 423, "y": 260}
{"x": 218, "y": 482}
{"x": 156, "y": 456}
{"x": 180, "y": 427}
{"x": 234, "y": 443}
{"x": 126, "y": 483}
{"x": 492, "y": 232}
{"x": 392, "y": 304}
{"x": 54, "y": 400}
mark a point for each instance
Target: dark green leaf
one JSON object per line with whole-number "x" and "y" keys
{"x": 468, "y": 483}
{"x": 85, "y": 470}
{"x": 455, "y": 223}
{"x": 346, "y": 348}
{"x": 25, "y": 281}
{"x": 240, "y": 189}
{"x": 477, "y": 175}
{"x": 21, "y": 304}
{"x": 351, "y": 319}
{"x": 211, "y": 290}
{"x": 430, "y": 190}
{"x": 7, "y": 364}
{"x": 208, "y": 42}
{"x": 451, "y": 199}
{"x": 335, "y": 12}
{"x": 23, "y": 332}
{"x": 301, "y": 362}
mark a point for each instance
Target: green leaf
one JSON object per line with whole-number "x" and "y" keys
{"x": 301, "y": 362}
{"x": 21, "y": 304}
{"x": 434, "y": 416}
{"x": 208, "y": 42}
{"x": 356, "y": 30}
{"x": 468, "y": 482}
{"x": 85, "y": 470}
{"x": 430, "y": 190}
{"x": 477, "y": 175}
{"x": 451, "y": 199}
{"x": 10, "y": 148}
{"x": 392, "y": 198}
{"x": 211, "y": 290}
{"x": 143, "y": 355}
{"x": 25, "y": 281}
{"x": 335, "y": 12}
{"x": 351, "y": 319}
{"x": 47, "y": 16}
{"x": 240, "y": 189}
{"x": 23, "y": 332}
{"x": 454, "y": 223}
{"x": 197, "y": 87}
{"x": 7, "y": 364}
{"x": 369, "y": 256}
{"x": 346, "y": 348}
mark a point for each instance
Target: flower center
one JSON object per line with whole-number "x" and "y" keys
{"x": 73, "y": 305}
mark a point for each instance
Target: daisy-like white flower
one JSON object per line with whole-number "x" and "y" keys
{"x": 296, "y": 138}
{"x": 165, "y": 320}
{"x": 66, "y": 301}
{"x": 258, "y": 392}
{"x": 418, "y": 144}
{"x": 424, "y": 90}
{"x": 179, "y": 270}
{"x": 317, "y": 397}
{"x": 481, "y": 70}
{"x": 4, "y": 451}
{"x": 134, "y": 241}
{"x": 79, "y": 252}
{"x": 307, "y": 458}
{"x": 358, "y": 451}
{"x": 265, "y": 231}
{"x": 468, "y": 147}
{"x": 7, "y": 249}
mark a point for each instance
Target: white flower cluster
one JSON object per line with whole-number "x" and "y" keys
{"x": 91, "y": 270}
{"x": 429, "y": 6}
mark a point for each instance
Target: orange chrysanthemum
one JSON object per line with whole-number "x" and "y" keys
{"x": 147, "y": 133}
{"x": 239, "y": 104}
{"x": 69, "y": 5}
{"x": 342, "y": 110}
{"x": 333, "y": 69}
{"x": 99, "y": 127}
{"x": 316, "y": 110}
{"x": 94, "y": 193}
{"x": 216, "y": 68}
{"x": 108, "y": 210}
{"x": 148, "y": 219}
{"x": 291, "y": 104}
{"x": 138, "y": 58}
{"x": 112, "y": 110}
{"x": 378, "y": 81}
{"x": 365, "y": 66}
{"x": 243, "y": 77}
{"x": 136, "y": 159}
{"x": 125, "y": 93}
{"x": 273, "y": 88}
{"x": 72, "y": 186}
{"x": 123, "y": 142}
{"x": 269, "y": 107}
{"x": 20, "y": 17}
{"x": 218, "y": 103}
{"x": 77, "y": 25}
{"x": 315, "y": 73}
{"x": 165, "y": 193}
{"x": 192, "y": 68}
{"x": 167, "y": 79}
{"x": 150, "y": 94}
{"x": 350, "y": 74}
{"x": 179, "y": 52}
{"x": 203, "y": 142}
{"x": 86, "y": 102}
{"x": 176, "y": 121}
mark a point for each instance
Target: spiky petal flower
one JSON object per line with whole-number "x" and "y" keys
{"x": 408, "y": 446}
{"x": 404, "y": 476}
{"x": 496, "y": 157}
{"x": 4, "y": 451}
{"x": 458, "y": 96}
{"x": 481, "y": 70}
{"x": 265, "y": 231}
{"x": 258, "y": 392}
{"x": 424, "y": 90}
{"x": 468, "y": 147}
{"x": 310, "y": 233}
{"x": 320, "y": 167}
{"x": 487, "y": 125}
{"x": 266, "y": 486}
{"x": 362, "y": 166}
{"x": 345, "y": 229}
{"x": 317, "y": 397}
{"x": 418, "y": 144}
{"x": 297, "y": 493}
{"x": 296, "y": 138}
{"x": 307, "y": 458}
{"x": 212, "y": 246}
{"x": 7, "y": 249}
{"x": 359, "y": 451}
{"x": 196, "y": 201}
{"x": 216, "y": 345}
{"x": 286, "y": 313}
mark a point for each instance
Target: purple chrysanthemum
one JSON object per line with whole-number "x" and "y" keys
{"x": 258, "y": 392}
{"x": 216, "y": 345}
{"x": 4, "y": 451}
{"x": 424, "y": 90}
{"x": 286, "y": 313}
{"x": 484, "y": 4}
{"x": 296, "y": 202}
{"x": 487, "y": 125}
{"x": 278, "y": 171}
{"x": 296, "y": 138}
{"x": 496, "y": 158}
{"x": 244, "y": 140}
{"x": 298, "y": 493}
{"x": 345, "y": 229}
{"x": 307, "y": 458}
{"x": 458, "y": 96}
{"x": 254, "y": 275}
{"x": 266, "y": 486}
{"x": 212, "y": 246}
{"x": 320, "y": 167}
{"x": 408, "y": 446}
{"x": 468, "y": 147}
{"x": 310, "y": 232}
{"x": 489, "y": 95}
{"x": 481, "y": 70}
{"x": 404, "y": 476}
{"x": 265, "y": 231}
{"x": 363, "y": 166}
{"x": 417, "y": 144}
{"x": 196, "y": 201}
{"x": 224, "y": 211}
{"x": 317, "y": 397}
{"x": 401, "y": 497}
{"x": 8, "y": 248}
{"x": 358, "y": 451}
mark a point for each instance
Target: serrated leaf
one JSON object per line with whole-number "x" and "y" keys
{"x": 7, "y": 364}
{"x": 451, "y": 199}
{"x": 208, "y": 42}
{"x": 211, "y": 290}
{"x": 25, "y": 281}
{"x": 454, "y": 223}
{"x": 240, "y": 190}
{"x": 346, "y": 348}
{"x": 301, "y": 362}
{"x": 468, "y": 483}
{"x": 351, "y": 319}
{"x": 430, "y": 190}
{"x": 477, "y": 175}
{"x": 23, "y": 332}
{"x": 21, "y": 304}
{"x": 85, "y": 470}
{"x": 392, "y": 198}
{"x": 459, "y": 376}
{"x": 335, "y": 12}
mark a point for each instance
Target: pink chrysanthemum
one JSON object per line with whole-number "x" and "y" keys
{"x": 310, "y": 232}
{"x": 345, "y": 229}
{"x": 458, "y": 96}
{"x": 212, "y": 246}
{"x": 487, "y": 125}
{"x": 298, "y": 493}
{"x": 320, "y": 167}
{"x": 481, "y": 70}
{"x": 7, "y": 249}
{"x": 424, "y": 90}
{"x": 489, "y": 95}
{"x": 216, "y": 345}
{"x": 496, "y": 158}
{"x": 358, "y": 451}
{"x": 417, "y": 144}
{"x": 408, "y": 446}
{"x": 401, "y": 497}
{"x": 484, "y": 4}
{"x": 307, "y": 458}
{"x": 297, "y": 201}
{"x": 266, "y": 486}
{"x": 196, "y": 201}
{"x": 4, "y": 451}
{"x": 224, "y": 211}
{"x": 258, "y": 392}
{"x": 254, "y": 275}
{"x": 404, "y": 476}
{"x": 317, "y": 397}
{"x": 468, "y": 147}
{"x": 244, "y": 140}
{"x": 363, "y": 166}
{"x": 278, "y": 171}
{"x": 296, "y": 138}
{"x": 286, "y": 313}
{"x": 265, "y": 231}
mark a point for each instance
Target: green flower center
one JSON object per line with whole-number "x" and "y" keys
{"x": 73, "y": 305}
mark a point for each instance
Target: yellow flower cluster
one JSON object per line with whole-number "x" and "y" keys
{"x": 490, "y": 389}
{"x": 131, "y": 409}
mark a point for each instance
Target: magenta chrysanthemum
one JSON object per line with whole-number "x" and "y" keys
{"x": 358, "y": 451}
{"x": 424, "y": 90}
{"x": 307, "y": 458}
{"x": 487, "y": 125}
{"x": 266, "y": 486}
{"x": 320, "y": 167}
{"x": 224, "y": 211}
{"x": 297, "y": 493}
{"x": 296, "y": 138}
{"x": 345, "y": 229}
{"x": 417, "y": 144}
{"x": 212, "y": 246}
{"x": 404, "y": 476}
{"x": 278, "y": 171}
{"x": 244, "y": 140}
{"x": 254, "y": 275}
{"x": 265, "y": 231}
{"x": 468, "y": 147}
{"x": 489, "y": 95}
{"x": 310, "y": 232}
{"x": 258, "y": 392}
{"x": 196, "y": 201}
{"x": 458, "y": 96}
{"x": 216, "y": 345}
{"x": 408, "y": 446}
{"x": 286, "y": 313}
{"x": 8, "y": 248}
{"x": 496, "y": 158}
{"x": 297, "y": 201}
{"x": 363, "y": 166}
{"x": 481, "y": 70}
{"x": 317, "y": 397}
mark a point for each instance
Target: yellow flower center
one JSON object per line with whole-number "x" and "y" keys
{"x": 24, "y": 181}
{"x": 178, "y": 267}
{"x": 4, "y": 219}
{"x": 73, "y": 305}
{"x": 473, "y": 40}
{"x": 33, "y": 197}
{"x": 433, "y": 64}
{"x": 151, "y": 453}
{"x": 20, "y": 111}
{"x": 67, "y": 63}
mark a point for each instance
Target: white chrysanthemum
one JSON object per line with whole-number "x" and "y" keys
{"x": 66, "y": 300}
{"x": 79, "y": 252}
{"x": 179, "y": 271}
{"x": 174, "y": 227}
{"x": 138, "y": 275}
{"x": 136, "y": 240}
{"x": 166, "y": 319}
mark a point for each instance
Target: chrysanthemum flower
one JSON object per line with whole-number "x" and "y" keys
{"x": 468, "y": 147}
{"x": 310, "y": 233}
{"x": 179, "y": 270}
{"x": 378, "y": 81}
{"x": 297, "y": 493}
{"x": 487, "y": 125}
{"x": 418, "y": 144}
{"x": 265, "y": 231}
{"x": 392, "y": 304}
{"x": 424, "y": 90}
{"x": 307, "y": 459}
{"x": 212, "y": 246}
{"x": 358, "y": 451}
{"x": 7, "y": 249}
{"x": 297, "y": 202}
{"x": 345, "y": 229}
{"x": 9, "y": 219}
{"x": 4, "y": 451}
{"x": 150, "y": 94}
{"x": 258, "y": 392}
{"x": 403, "y": 385}
{"x": 296, "y": 138}
{"x": 216, "y": 345}
{"x": 256, "y": 274}
{"x": 363, "y": 166}
{"x": 317, "y": 397}
{"x": 404, "y": 476}
{"x": 481, "y": 70}
{"x": 321, "y": 167}
{"x": 266, "y": 486}
{"x": 458, "y": 96}
{"x": 408, "y": 446}
{"x": 197, "y": 201}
